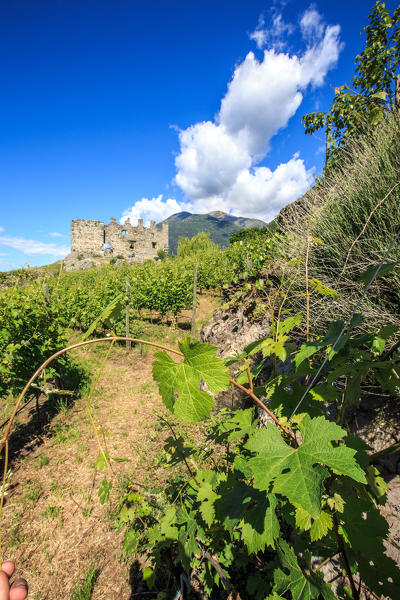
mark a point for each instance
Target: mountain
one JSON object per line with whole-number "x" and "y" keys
{"x": 218, "y": 224}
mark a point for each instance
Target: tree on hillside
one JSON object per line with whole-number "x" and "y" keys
{"x": 199, "y": 243}
{"x": 374, "y": 89}
{"x": 252, "y": 233}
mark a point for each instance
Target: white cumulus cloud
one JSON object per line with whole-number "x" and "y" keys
{"x": 218, "y": 165}
{"x": 210, "y": 159}
{"x": 219, "y": 161}
{"x": 154, "y": 209}
{"x": 264, "y": 192}
{"x": 321, "y": 57}
{"x": 261, "y": 98}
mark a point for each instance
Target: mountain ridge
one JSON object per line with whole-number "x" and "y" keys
{"x": 218, "y": 224}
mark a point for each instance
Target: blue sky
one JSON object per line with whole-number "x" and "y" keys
{"x": 142, "y": 109}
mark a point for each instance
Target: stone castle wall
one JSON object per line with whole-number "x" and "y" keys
{"x": 135, "y": 244}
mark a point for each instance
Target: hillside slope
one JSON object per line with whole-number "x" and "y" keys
{"x": 218, "y": 224}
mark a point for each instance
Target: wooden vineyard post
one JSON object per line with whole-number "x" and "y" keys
{"x": 127, "y": 299}
{"x": 46, "y": 294}
{"x": 194, "y": 300}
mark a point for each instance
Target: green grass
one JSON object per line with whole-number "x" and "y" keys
{"x": 66, "y": 433}
{"x": 85, "y": 587}
{"x": 15, "y": 538}
{"x": 64, "y": 405}
{"x": 52, "y": 512}
{"x": 57, "y": 489}
{"x": 42, "y": 461}
{"x": 33, "y": 492}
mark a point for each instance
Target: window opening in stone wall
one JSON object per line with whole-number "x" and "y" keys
{"x": 132, "y": 245}
{"x": 154, "y": 244}
{"x": 123, "y": 232}
{"x": 108, "y": 249}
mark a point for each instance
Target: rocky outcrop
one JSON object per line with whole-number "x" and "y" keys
{"x": 80, "y": 261}
{"x": 231, "y": 331}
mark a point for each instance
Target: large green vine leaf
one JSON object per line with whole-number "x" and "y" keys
{"x": 179, "y": 383}
{"x": 241, "y": 506}
{"x": 300, "y": 586}
{"x": 297, "y": 473}
{"x": 108, "y": 316}
{"x": 260, "y": 525}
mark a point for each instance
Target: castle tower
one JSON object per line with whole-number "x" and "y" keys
{"x": 87, "y": 236}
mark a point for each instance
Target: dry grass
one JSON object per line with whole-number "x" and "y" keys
{"x": 53, "y": 525}
{"x": 353, "y": 216}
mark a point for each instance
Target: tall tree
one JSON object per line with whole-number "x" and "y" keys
{"x": 374, "y": 90}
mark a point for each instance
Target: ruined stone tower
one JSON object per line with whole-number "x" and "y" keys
{"x": 135, "y": 244}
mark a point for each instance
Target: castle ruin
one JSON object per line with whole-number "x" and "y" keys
{"x": 135, "y": 244}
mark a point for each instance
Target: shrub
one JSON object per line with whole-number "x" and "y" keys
{"x": 197, "y": 244}
{"x": 253, "y": 233}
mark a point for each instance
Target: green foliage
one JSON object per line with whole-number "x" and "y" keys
{"x": 165, "y": 287}
{"x": 30, "y": 332}
{"x": 179, "y": 382}
{"x": 199, "y": 243}
{"x": 296, "y": 472}
{"x": 375, "y": 88}
{"x": 248, "y": 259}
{"x": 161, "y": 254}
{"x": 108, "y": 317}
{"x": 104, "y": 491}
{"x": 373, "y": 271}
{"x": 33, "y": 324}
{"x": 294, "y": 580}
{"x": 358, "y": 220}
{"x": 94, "y": 300}
{"x": 354, "y": 213}
{"x": 262, "y": 501}
{"x": 252, "y": 234}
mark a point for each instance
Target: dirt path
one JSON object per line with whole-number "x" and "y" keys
{"x": 53, "y": 525}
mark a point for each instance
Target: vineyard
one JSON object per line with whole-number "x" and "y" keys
{"x": 254, "y": 458}
{"x": 248, "y": 511}
{"x": 34, "y": 316}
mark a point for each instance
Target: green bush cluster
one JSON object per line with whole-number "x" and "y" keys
{"x": 30, "y": 332}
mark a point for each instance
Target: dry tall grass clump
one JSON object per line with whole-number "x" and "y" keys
{"x": 348, "y": 221}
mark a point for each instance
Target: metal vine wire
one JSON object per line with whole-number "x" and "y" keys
{"x": 347, "y": 323}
